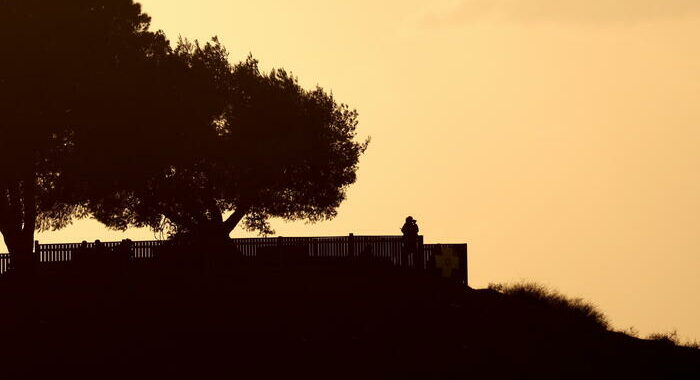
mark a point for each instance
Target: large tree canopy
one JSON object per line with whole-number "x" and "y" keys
{"x": 180, "y": 97}
{"x": 275, "y": 150}
{"x": 100, "y": 116}
{"x": 70, "y": 70}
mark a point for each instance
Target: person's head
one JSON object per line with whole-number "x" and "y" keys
{"x": 409, "y": 219}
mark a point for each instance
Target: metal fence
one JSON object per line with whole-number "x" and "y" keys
{"x": 386, "y": 249}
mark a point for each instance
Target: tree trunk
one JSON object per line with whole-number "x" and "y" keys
{"x": 18, "y": 204}
{"x": 22, "y": 259}
{"x": 209, "y": 227}
{"x": 217, "y": 230}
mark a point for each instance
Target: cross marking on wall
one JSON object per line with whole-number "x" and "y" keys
{"x": 447, "y": 261}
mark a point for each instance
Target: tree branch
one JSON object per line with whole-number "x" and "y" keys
{"x": 235, "y": 218}
{"x": 29, "y": 203}
{"x": 4, "y": 210}
{"x": 15, "y": 215}
{"x": 174, "y": 217}
{"x": 214, "y": 210}
{"x": 8, "y": 227}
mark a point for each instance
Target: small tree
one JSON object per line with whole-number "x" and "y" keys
{"x": 275, "y": 150}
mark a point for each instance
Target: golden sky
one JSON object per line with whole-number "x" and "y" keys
{"x": 558, "y": 137}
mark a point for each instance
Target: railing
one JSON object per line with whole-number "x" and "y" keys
{"x": 55, "y": 253}
{"x": 4, "y": 262}
{"x": 448, "y": 260}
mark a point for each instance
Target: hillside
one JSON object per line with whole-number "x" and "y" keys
{"x": 318, "y": 319}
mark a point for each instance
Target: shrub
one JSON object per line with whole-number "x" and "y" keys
{"x": 631, "y": 331}
{"x": 575, "y": 308}
{"x": 670, "y": 337}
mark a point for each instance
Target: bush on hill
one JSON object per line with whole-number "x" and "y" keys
{"x": 575, "y": 308}
{"x": 670, "y": 338}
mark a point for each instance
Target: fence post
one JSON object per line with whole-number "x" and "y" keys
{"x": 420, "y": 255}
{"x": 36, "y": 251}
{"x": 351, "y": 246}
{"x": 466, "y": 265}
{"x": 279, "y": 250}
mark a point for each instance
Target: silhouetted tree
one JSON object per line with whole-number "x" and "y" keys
{"x": 275, "y": 150}
{"x": 126, "y": 182}
{"x": 67, "y": 73}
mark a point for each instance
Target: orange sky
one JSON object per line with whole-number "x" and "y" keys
{"x": 558, "y": 137}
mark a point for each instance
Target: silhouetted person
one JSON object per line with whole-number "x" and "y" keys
{"x": 124, "y": 253}
{"x": 410, "y": 239}
{"x": 98, "y": 252}
{"x": 81, "y": 254}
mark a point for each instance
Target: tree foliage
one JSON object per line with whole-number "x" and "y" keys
{"x": 273, "y": 150}
{"x": 122, "y": 171}
{"x": 68, "y": 69}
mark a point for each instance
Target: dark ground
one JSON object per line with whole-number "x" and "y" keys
{"x": 165, "y": 321}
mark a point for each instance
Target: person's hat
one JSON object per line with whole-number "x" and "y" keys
{"x": 410, "y": 218}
